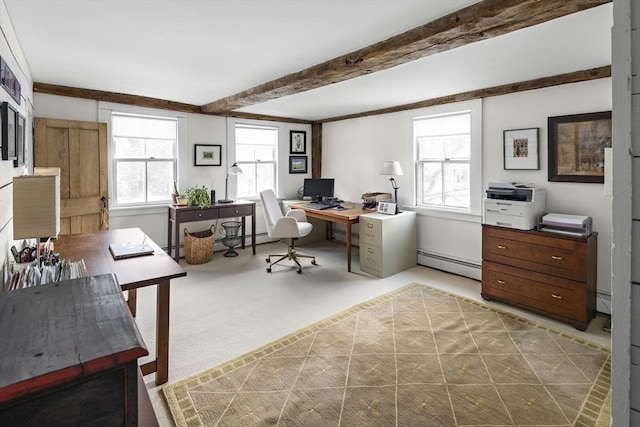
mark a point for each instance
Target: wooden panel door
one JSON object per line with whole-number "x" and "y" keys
{"x": 79, "y": 149}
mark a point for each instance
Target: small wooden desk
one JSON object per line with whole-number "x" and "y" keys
{"x": 347, "y": 217}
{"x": 132, "y": 273}
{"x": 239, "y": 208}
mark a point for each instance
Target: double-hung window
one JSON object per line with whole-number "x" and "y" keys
{"x": 144, "y": 160}
{"x": 256, "y": 153}
{"x": 448, "y": 157}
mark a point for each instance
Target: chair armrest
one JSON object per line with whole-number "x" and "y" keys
{"x": 298, "y": 214}
{"x": 286, "y": 227}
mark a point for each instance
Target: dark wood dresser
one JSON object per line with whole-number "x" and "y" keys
{"x": 550, "y": 274}
{"x": 68, "y": 355}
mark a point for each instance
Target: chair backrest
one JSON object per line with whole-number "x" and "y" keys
{"x": 271, "y": 208}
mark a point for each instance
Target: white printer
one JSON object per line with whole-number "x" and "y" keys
{"x": 513, "y": 205}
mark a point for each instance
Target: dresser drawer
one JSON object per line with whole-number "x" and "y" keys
{"x": 552, "y": 295}
{"x": 370, "y": 231}
{"x": 233, "y": 211}
{"x": 548, "y": 254}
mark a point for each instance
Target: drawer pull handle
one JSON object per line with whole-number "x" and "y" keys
{"x": 369, "y": 225}
{"x": 199, "y": 215}
{"x": 370, "y": 250}
{"x": 556, "y": 296}
{"x": 502, "y": 247}
{"x": 502, "y": 282}
{"x": 556, "y": 257}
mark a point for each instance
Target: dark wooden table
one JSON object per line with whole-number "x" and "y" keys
{"x": 238, "y": 209}
{"x": 69, "y": 355}
{"x": 132, "y": 273}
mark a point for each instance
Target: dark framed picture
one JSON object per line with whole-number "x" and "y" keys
{"x": 20, "y": 143}
{"x": 298, "y": 142}
{"x": 9, "y": 81}
{"x": 297, "y": 164}
{"x": 207, "y": 155}
{"x": 521, "y": 149}
{"x": 576, "y": 146}
{"x": 9, "y": 140}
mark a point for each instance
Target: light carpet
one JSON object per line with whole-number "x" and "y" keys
{"x": 416, "y": 356}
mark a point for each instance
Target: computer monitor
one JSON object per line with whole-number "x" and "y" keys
{"x": 317, "y": 188}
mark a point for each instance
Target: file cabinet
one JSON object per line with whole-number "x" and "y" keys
{"x": 387, "y": 243}
{"x": 553, "y": 275}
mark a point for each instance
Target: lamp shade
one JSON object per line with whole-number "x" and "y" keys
{"x": 235, "y": 170}
{"x": 391, "y": 167}
{"x": 36, "y": 206}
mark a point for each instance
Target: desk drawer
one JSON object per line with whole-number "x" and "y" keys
{"x": 234, "y": 211}
{"x": 197, "y": 215}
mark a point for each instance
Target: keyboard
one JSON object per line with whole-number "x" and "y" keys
{"x": 321, "y": 206}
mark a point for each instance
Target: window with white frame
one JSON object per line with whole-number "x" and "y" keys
{"x": 448, "y": 156}
{"x": 144, "y": 159}
{"x": 256, "y": 154}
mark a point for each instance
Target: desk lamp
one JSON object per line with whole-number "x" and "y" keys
{"x": 392, "y": 167}
{"x": 235, "y": 170}
{"x": 36, "y": 207}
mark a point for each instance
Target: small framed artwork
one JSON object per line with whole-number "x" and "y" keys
{"x": 9, "y": 140}
{"x": 20, "y": 143}
{"x": 207, "y": 155}
{"x": 9, "y": 81}
{"x": 298, "y": 142}
{"x": 521, "y": 148}
{"x": 297, "y": 164}
{"x": 576, "y": 146}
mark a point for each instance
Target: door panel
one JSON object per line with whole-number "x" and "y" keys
{"x": 79, "y": 149}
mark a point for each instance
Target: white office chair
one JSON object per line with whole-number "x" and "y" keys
{"x": 290, "y": 227}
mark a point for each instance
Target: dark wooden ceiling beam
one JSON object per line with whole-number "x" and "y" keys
{"x": 480, "y": 21}
{"x": 561, "y": 79}
{"x": 120, "y": 98}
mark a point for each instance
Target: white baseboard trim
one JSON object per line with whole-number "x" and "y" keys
{"x": 450, "y": 265}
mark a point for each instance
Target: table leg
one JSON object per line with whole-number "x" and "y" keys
{"x": 348, "y": 238}
{"x": 243, "y": 230}
{"x": 132, "y": 301}
{"x": 169, "y": 237}
{"x": 253, "y": 231}
{"x": 162, "y": 332}
{"x": 177, "y": 248}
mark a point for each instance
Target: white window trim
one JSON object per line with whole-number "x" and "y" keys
{"x": 281, "y": 154}
{"x": 474, "y": 213}
{"x": 105, "y": 110}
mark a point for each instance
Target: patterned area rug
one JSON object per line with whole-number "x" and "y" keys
{"x": 414, "y": 357}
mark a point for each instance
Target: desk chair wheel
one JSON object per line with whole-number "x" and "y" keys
{"x": 299, "y": 271}
{"x": 314, "y": 262}
{"x": 268, "y": 260}
{"x": 268, "y": 269}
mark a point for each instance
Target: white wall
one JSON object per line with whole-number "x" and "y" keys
{"x": 201, "y": 129}
{"x": 353, "y": 151}
{"x": 12, "y": 54}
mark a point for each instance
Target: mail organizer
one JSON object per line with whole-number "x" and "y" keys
{"x": 552, "y": 275}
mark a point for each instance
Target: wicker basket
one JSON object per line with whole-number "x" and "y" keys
{"x": 198, "y": 246}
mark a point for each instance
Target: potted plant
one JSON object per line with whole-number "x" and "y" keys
{"x": 198, "y": 196}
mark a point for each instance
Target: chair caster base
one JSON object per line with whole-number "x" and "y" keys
{"x": 299, "y": 271}
{"x": 268, "y": 270}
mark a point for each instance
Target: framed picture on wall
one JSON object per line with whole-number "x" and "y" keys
{"x": 9, "y": 123}
{"x": 521, "y": 149}
{"x": 297, "y": 142}
{"x": 207, "y": 155}
{"x": 297, "y": 164}
{"x": 576, "y": 146}
{"x": 20, "y": 142}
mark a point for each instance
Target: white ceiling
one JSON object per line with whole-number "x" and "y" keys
{"x": 198, "y": 51}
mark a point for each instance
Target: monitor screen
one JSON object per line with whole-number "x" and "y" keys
{"x": 318, "y": 188}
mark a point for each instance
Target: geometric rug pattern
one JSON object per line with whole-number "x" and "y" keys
{"x": 416, "y": 356}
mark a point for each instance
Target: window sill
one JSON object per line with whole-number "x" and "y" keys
{"x": 138, "y": 210}
{"x": 447, "y": 214}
